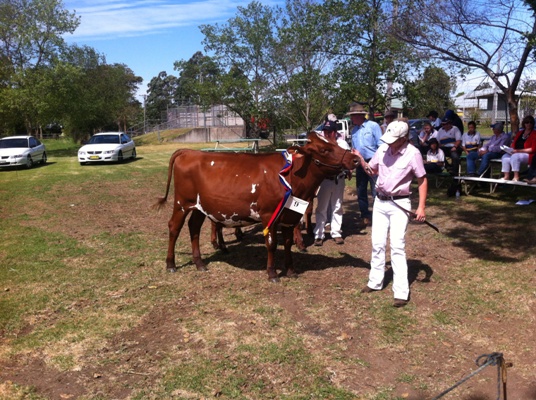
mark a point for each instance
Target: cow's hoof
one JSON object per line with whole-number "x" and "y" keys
{"x": 202, "y": 268}
{"x": 274, "y": 280}
{"x": 215, "y": 245}
{"x": 293, "y": 275}
{"x": 171, "y": 269}
{"x": 303, "y": 249}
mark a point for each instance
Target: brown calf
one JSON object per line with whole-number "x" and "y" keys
{"x": 238, "y": 189}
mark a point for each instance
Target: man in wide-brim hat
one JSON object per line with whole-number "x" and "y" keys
{"x": 366, "y": 135}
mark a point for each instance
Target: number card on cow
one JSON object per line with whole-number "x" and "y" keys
{"x": 296, "y": 204}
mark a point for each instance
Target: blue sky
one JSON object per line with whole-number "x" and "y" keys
{"x": 147, "y": 35}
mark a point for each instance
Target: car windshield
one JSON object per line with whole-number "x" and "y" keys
{"x": 100, "y": 139}
{"x": 13, "y": 143}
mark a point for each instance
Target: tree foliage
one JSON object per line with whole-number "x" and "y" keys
{"x": 430, "y": 92}
{"x": 298, "y": 63}
{"x": 42, "y": 80}
{"x": 370, "y": 58}
{"x": 497, "y": 40}
{"x": 242, "y": 49}
{"x": 161, "y": 95}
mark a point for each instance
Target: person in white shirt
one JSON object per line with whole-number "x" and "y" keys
{"x": 433, "y": 116}
{"x": 471, "y": 140}
{"x": 428, "y": 132}
{"x": 330, "y": 195}
{"x": 435, "y": 158}
{"x": 450, "y": 140}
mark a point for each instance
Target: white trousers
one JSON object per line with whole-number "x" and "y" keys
{"x": 514, "y": 161}
{"x": 387, "y": 218}
{"x": 330, "y": 195}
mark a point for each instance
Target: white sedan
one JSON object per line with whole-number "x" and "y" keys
{"x": 21, "y": 150}
{"x": 107, "y": 146}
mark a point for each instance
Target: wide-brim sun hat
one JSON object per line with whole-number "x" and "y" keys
{"x": 395, "y": 130}
{"x": 357, "y": 108}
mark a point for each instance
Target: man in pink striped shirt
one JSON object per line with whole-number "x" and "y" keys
{"x": 396, "y": 163}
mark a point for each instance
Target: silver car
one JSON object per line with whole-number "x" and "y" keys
{"x": 107, "y": 146}
{"x": 21, "y": 151}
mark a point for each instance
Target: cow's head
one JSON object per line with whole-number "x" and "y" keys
{"x": 327, "y": 154}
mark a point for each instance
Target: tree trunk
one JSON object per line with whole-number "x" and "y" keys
{"x": 512, "y": 108}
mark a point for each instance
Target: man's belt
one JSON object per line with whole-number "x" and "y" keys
{"x": 387, "y": 198}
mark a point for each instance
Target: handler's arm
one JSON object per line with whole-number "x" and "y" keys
{"x": 423, "y": 192}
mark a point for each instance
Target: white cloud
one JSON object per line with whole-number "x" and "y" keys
{"x": 118, "y": 18}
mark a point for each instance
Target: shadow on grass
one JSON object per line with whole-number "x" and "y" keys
{"x": 494, "y": 229}
{"x": 250, "y": 254}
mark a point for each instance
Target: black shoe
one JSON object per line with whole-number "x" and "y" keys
{"x": 318, "y": 242}
{"x": 339, "y": 240}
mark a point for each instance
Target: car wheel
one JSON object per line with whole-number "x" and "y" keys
{"x": 120, "y": 156}
{"x": 29, "y": 162}
{"x": 133, "y": 154}
{"x": 44, "y": 159}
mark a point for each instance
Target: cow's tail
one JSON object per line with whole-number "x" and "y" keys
{"x": 162, "y": 200}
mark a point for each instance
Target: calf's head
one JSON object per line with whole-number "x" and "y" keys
{"x": 328, "y": 155}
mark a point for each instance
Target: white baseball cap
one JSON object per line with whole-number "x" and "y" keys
{"x": 395, "y": 130}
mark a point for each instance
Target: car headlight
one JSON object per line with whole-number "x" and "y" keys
{"x": 18, "y": 156}
{"x": 81, "y": 153}
{"x": 109, "y": 151}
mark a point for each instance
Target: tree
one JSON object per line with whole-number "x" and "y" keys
{"x": 242, "y": 51}
{"x": 301, "y": 64}
{"x": 370, "y": 58}
{"x": 31, "y": 37}
{"x": 430, "y": 92}
{"x": 91, "y": 95}
{"x": 161, "y": 94}
{"x": 497, "y": 40}
{"x": 198, "y": 80}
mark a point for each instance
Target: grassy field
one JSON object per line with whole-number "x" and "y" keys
{"x": 87, "y": 310}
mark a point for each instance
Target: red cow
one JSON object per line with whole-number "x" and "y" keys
{"x": 241, "y": 189}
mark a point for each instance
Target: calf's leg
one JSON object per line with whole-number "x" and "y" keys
{"x": 271, "y": 245}
{"x": 194, "y": 223}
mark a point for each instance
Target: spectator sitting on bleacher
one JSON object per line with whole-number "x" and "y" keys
{"x": 489, "y": 151}
{"x": 435, "y": 158}
{"x": 471, "y": 139}
{"x": 450, "y": 140}
{"x": 428, "y": 132}
{"x": 523, "y": 149}
{"x": 455, "y": 118}
{"x": 433, "y": 116}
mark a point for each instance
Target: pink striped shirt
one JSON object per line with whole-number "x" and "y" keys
{"x": 396, "y": 171}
